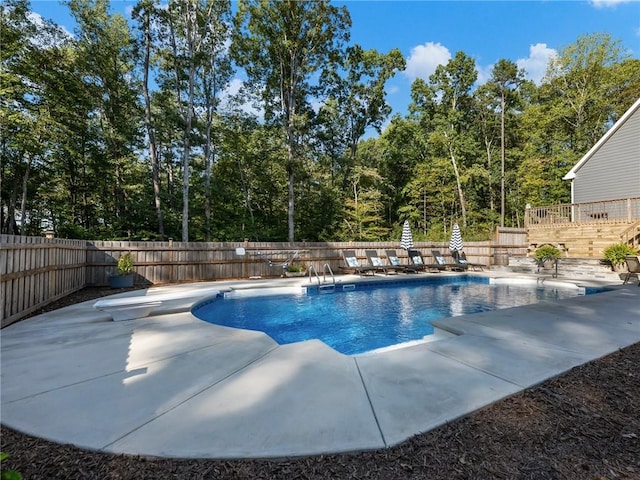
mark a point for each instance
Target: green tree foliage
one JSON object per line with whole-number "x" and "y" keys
{"x": 444, "y": 106}
{"x": 15, "y": 107}
{"x": 504, "y": 82}
{"x": 128, "y": 129}
{"x": 581, "y": 96}
{"x": 106, "y": 59}
{"x": 282, "y": 44}
{"x": 357, "y": 99}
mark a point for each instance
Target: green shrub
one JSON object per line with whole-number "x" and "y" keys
{"x": 547, "y": 253}
{"x": 8, "y": 474}
{"x": 125, "y": 264}
{"x": 615, "y": 253}
{"x": 296, "y": 268}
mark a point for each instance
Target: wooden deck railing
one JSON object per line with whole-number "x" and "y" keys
{"x": 631, "y": 234}
{"x": 608, "y": 211}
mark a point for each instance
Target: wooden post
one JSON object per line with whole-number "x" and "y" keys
{"x": 245, "y": 267}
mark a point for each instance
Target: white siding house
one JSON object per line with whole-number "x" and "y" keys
{"x": 611, "y": 169}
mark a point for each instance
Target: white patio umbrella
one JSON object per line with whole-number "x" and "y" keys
{"x": 455, "y": 244}
{"x": 406, "y": 241}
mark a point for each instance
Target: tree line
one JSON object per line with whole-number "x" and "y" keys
{"x": 136, "y": 129}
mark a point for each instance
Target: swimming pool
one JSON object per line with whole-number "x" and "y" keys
{"x": 362, "y": 317}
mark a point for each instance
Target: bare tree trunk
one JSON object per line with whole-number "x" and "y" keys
{"x": 290, "y": 164}
{"x": 23, "y": 202}
{"x": 185, "y": 159}
{"x": 187, "y": 110}
{"x": 454, "y": 163}
{"x": 208, "y": 161}
{"x": 245, "y": 188}
{"x": 153, "y": 151}
{"x": 487, "y": 145}
{"x": 209, "y": 148}
{"x": 502, "y": 193}
{"x": 11, "y": 208}
{"x": 291, "y": 207}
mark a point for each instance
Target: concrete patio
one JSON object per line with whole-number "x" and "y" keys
{"x": 172, "y": 385}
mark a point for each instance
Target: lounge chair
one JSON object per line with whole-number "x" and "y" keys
{"x": 393, "y": 259}
{"x": 376, "y": 261}
{"x": 461, "y": 259}
{"x": 352, "y": 263}
{"x": 441, "y": 261}
{"x": 417, "y": 263}
{"x": 633, "y": 265}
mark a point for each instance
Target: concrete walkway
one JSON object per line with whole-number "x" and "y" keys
{"x": 174, "y": 386}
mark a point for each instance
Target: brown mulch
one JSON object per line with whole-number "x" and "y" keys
{"x": 584, "y": 424}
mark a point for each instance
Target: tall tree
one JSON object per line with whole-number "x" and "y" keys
{"x": 583, "y": 88}
{"x": 488, "y": 125}
{"x": 579, "y": 97}
{"x": 359, "y": 97}
{"x": 405, "y": 148}
{"x": 31, "y": 51}
{"x": 215, "y": 74}
{"x": 282, "y": 45}
{"x": 451, "y": 84}
{"x": 106, "y": 54}
{"x": 193, "y": 65}
{"x": 145, "y": 12}
{"x": 16, "y": 108}
{"x": 505, "y": 80}
{"x": 186, "y": 33}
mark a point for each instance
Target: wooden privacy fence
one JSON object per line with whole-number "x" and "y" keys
{"x": 36, "y": 271}
{"x": 175, "y": 262}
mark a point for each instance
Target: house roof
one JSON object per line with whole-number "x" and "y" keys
{"x": 616, "y": 126}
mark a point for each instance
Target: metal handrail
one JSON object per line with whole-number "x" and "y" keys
{"x": 313, "y": 270}
{"x": 326, "y": 267}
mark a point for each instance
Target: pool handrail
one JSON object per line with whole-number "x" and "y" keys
{"x": 325, "y": 267}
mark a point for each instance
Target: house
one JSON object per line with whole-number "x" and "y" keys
{"x": 611, "y": 169}
{"x": 605, "y": 197}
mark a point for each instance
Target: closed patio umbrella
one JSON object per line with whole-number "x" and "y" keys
{"x": 455, "y": 244}
{"x": 406, "y": 241}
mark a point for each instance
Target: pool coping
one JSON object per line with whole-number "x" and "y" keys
{"x": 171, "y": 385}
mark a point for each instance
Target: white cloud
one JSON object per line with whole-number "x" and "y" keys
{"x": 484, "y": 73}
{"x": 229, "y": 99}
{"x": 536, "y": 64}
{"x": 424, "y": 59}
{"x": 43, "y": 37}
{"x": 607, "y": 3}
{"x": 234, "y": 87}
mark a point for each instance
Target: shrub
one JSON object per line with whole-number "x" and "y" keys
{"x": 125, "y": 264}
{"x": 296, "y": 268}
{"x": 547, "y": 253}
{"x": 8, "y": 474}
{"x": 615, "y": 253}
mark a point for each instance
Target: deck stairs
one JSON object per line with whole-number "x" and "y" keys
{"x": 584, "y": 240}
{"x": 574, "y": 268}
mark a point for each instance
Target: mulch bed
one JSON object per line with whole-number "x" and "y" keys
{"x": 584, "y": 424}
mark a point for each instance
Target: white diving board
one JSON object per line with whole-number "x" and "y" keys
{"x": 140, "y": 306}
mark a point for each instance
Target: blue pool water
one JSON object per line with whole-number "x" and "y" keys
{"x": 370, "y": 316}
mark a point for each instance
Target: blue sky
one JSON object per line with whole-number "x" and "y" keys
{"x": 430, "y": 32}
